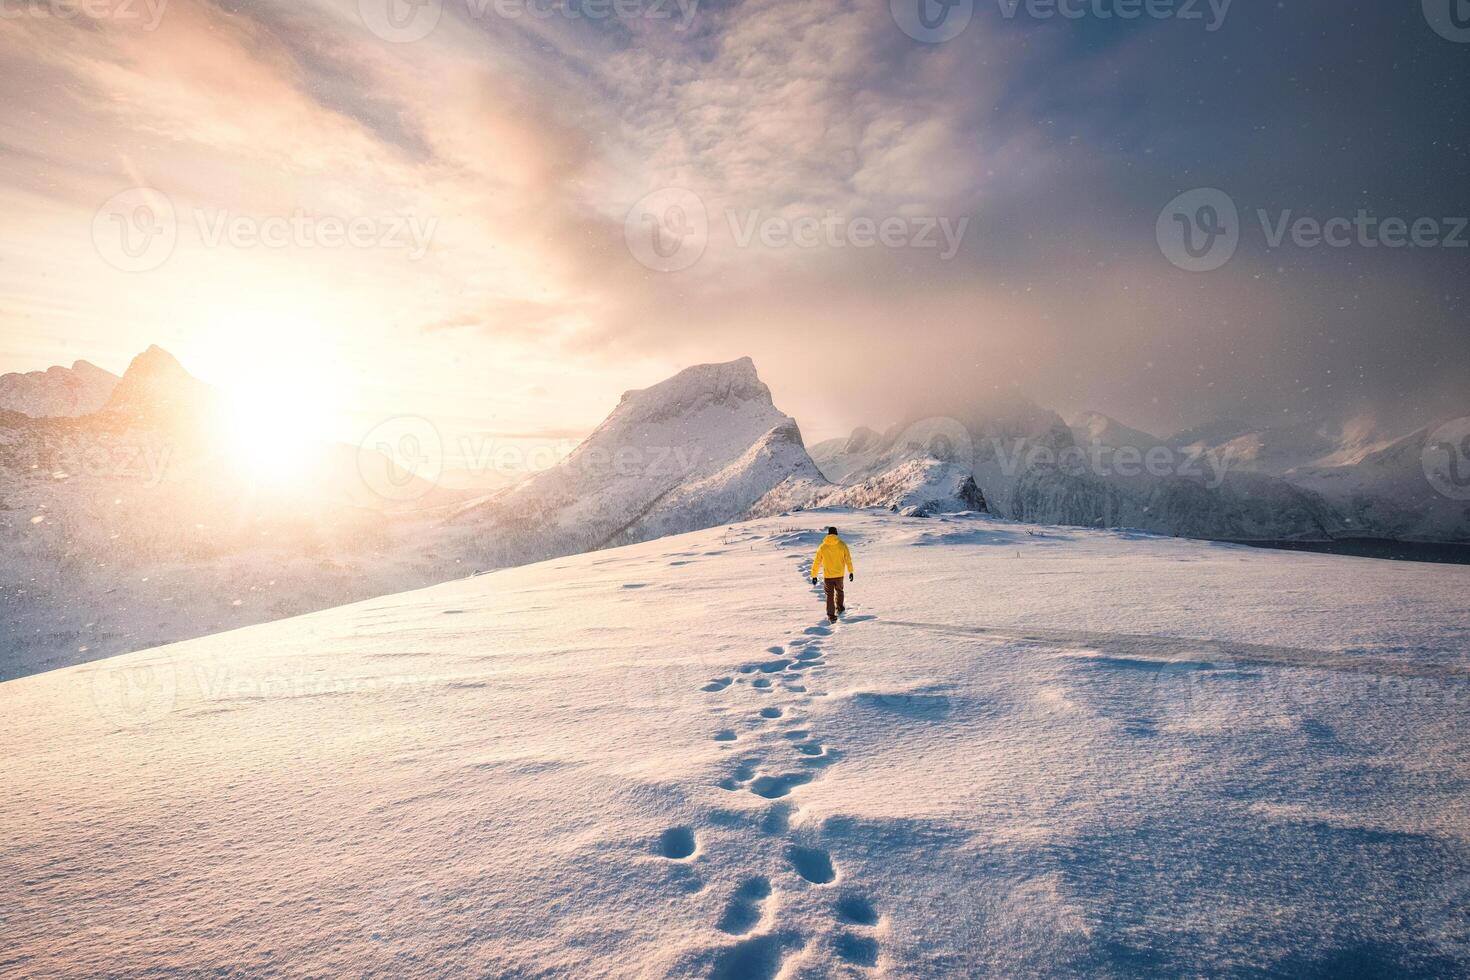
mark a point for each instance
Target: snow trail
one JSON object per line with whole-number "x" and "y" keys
{"x": 774, "y": 764}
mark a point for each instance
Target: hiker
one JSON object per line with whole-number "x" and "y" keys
{"x": 833, "y": 559}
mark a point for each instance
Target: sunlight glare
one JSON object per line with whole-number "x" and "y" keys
{"x": 279, "y": 411}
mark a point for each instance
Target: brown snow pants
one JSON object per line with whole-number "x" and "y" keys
{"x": 834, "y": 596}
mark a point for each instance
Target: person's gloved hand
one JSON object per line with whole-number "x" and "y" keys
{"x": 814, "y": 580}
{"x": 849, "y": 576}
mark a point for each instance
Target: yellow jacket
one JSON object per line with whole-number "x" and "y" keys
{"x": 833, "y": 557}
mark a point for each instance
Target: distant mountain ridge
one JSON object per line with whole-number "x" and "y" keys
{"x": 133, "y": 526}
{"x": 142, "y": 502}
{"x": 57, "y": 392}
{"x": 697, "y": 449}
{"x": 1229, "y": 479}
{"x": 705, "y": 447}
{"x": 156, "y": 388}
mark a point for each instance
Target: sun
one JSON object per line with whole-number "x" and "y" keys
{"x": 275, "y": 428}
{"x": 280, "y": 395}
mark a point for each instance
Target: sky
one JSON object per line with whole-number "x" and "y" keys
{"x": 501, "y": 214}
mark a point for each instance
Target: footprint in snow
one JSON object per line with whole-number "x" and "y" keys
{"x": 757, "y": 958}
{"x": 745, "y": 909}
{"x": 771, "y": 712}
{"x": 677, "y": 843}
{"x": 857, "y": 950}
{"x": 778, "y": 819}
{"x": 775, "y": 787}
{"x": 855, "y": 910}
{"x": 718, "y": 684}
{"x": 743, "y": 773}
{"x": 812, "y": 863}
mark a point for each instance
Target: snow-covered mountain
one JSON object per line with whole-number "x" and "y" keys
{"x": 156, "y": 390}
{"x": 1385, "y": 491}
{"x": 918, "y": 487}
{"x": 696, "y": 450}
{"x": 137, "y": 525}
{"x": 1095, "y": 427}
{"x": 1027, "y": 752}
{"x": 80, "y": 389}
{"x": 1226, "y": 480}
{"x": 1283, "y": 447}
{"x": 1030, "y": 465}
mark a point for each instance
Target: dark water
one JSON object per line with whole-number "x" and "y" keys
{"x": 1453, "y": 554}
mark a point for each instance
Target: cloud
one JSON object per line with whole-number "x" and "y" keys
{"x": 528, "y": 141}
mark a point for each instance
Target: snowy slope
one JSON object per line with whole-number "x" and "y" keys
{"x": 80, "y": 389}
{"x": 1027, "y": 752}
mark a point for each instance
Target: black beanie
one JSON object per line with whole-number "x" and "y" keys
{"x": 831, "y": 530}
